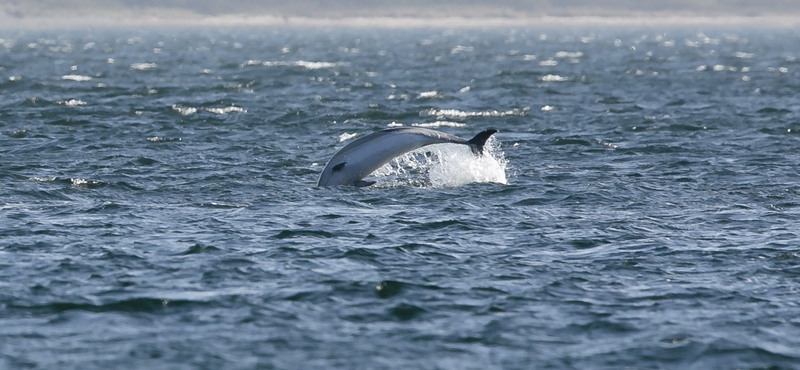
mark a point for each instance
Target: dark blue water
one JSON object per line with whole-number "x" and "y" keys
{"x": 639, "y": 207}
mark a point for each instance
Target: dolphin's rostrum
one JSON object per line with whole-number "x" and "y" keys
{"x": 365, "y": 155}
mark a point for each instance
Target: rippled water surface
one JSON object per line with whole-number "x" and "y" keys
{"x": 639, "y": 207}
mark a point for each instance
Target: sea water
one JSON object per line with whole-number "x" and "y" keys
{"x": 638, "y": 207}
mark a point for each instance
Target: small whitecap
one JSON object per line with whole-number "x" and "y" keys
{"x": 568, "y": 54}
{"x": 43, "y": 179}
{"x": 461, "y": 49}
{"x": 783, "y": 70}
{"x": 143, "y": 66}
{"x": 743, "y": 55}
{"x": 701, "y": 68}
{"x": 72, "y": 102}
{"x": 394, "y": 124}
{"x": 719, "y": 68}
{"x": 548, "y": 108}
{"x": 185, "y": 111}
{"x": 110, "y": 60}
{"x": 346, "y": 136}
{"x": 464, "y": 89}
{"x": 226, "y": 110}
{"x": 78, "y": 78}
{"x": 161, "y": 139}
{"x": 554, "y": 78}
{"x": 428, "y": 94}
{"x": 439, "y": 124}
{"x": 299, "y": 63}
{"x": 318, "y": 65}
{"x": 529, "y": 57}
{"x": 79, "y": 182}
{"x": 548, "y": 63}
{"x": 456, "y": 113}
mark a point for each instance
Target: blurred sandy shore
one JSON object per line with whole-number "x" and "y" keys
{"x": 9, "y": 22}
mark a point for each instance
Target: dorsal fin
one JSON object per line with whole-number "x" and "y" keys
{"x": 479, "y": 140}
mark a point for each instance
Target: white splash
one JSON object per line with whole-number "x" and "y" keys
{"x": 345, "y": 136}
{"x": 444, "y": 166}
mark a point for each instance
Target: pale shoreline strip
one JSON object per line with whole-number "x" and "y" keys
{"x": 642, "y": 21}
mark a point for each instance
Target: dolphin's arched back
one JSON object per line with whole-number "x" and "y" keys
{"x": 361, "y": 157}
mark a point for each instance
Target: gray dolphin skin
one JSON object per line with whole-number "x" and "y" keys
{"x": 363, "y": 156}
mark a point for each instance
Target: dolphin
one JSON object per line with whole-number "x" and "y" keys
{"x": 363, "y": 156}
